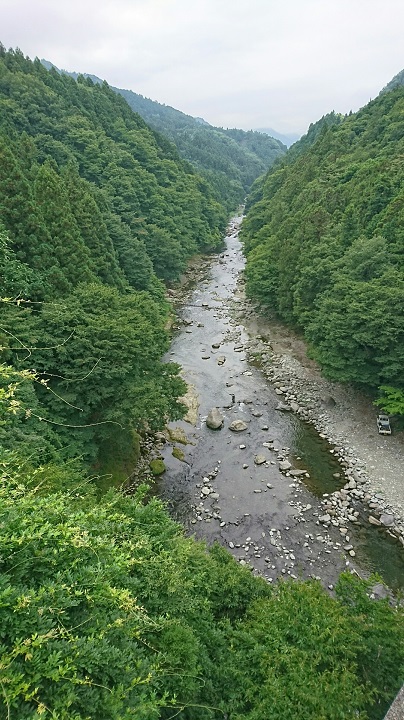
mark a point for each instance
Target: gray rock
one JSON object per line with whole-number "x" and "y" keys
{"x": 285, "y": 465}
{"x": 373, "y": 520}
{"x": 328, "y": 400}
{"x": 387, "y": 519}
{"x": 221, "y": 360}
{"x": 238, "y": 426}
{"x": 282, "y": 407}
{"x": 259, "y": 459}
{"x": 325, "y": 518}
{"x": 215, "y": 419}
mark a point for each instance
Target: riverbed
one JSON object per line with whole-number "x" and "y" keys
{"x": 259, "y": 492}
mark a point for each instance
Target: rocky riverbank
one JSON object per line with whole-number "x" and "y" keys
{"x": 373, "y": 466}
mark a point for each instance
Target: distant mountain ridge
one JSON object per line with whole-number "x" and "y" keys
{"x": 286, "y": 138}
{"x": 396, "y": 81}
{"x": 230, "y": 159}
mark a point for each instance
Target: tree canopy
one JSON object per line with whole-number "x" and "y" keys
{"x": 324, "y": 242}
{"x": 229, "y": 159}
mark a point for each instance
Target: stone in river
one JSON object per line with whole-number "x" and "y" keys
{"x": 387, "y": 519}
{"x": 260, "y": 459}
{"x": 221, "y": 360}
{"x": 256, "y": 413}
{"x": 284, "y": 465}
{"x": 282, "y": 407}
{"x": 238, "y": 426}
{"x": 215, "y": 419}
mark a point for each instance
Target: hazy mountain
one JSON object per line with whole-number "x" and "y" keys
{"x": 396, "y": 81}
{"x": 286, "y": 138}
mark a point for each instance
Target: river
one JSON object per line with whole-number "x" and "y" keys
{"x": 266, "y": 518}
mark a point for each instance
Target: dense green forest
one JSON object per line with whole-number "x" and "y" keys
{"x": 229, "y": 159}
{"x": 96, "y": 211}
{"x": 324, "y": 241}
{"x": 107, "y": 611}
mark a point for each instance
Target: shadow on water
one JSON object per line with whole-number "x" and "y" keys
{"x": 379, "y": 553}
{"x": 312, "y": 453}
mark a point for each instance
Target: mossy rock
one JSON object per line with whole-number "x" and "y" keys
{"x": 177, "y": 434}
{"x": 178, "y": 453}
{"x": 157, "y": 466}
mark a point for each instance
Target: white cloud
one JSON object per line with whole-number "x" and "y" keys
{"x": 249, "y": 63}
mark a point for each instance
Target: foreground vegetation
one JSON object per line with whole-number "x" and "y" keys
{"x": 109, "y": 612}
{"x": 324, "y": 241}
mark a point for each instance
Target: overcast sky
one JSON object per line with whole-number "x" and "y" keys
{"x": 237, "y": 63}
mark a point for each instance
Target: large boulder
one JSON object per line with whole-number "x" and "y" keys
{"x": 215, "y": 419}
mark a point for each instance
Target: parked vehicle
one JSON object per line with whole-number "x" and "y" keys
{"x": 383, "y": 425}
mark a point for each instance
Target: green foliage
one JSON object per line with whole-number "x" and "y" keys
{"x": 229, "y": 159}
{"x": 382, "y": 628}
{"x": 97, "y": 359}
{"x": 294, "y": 659}
{"x": 96, "y": 212}
{"x": 88, "y": 191}
{"x": 324, "y": 242}
{"x": 391, "y": 401}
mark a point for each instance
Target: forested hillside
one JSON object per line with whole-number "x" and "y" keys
{"x": 107, "y": 612}
{"x": 229, "y": 159}
{"x": 96, "y": 210}
{"x": 324, "y": 240}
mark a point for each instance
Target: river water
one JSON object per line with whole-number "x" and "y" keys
{"x": 265, "y": 518}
